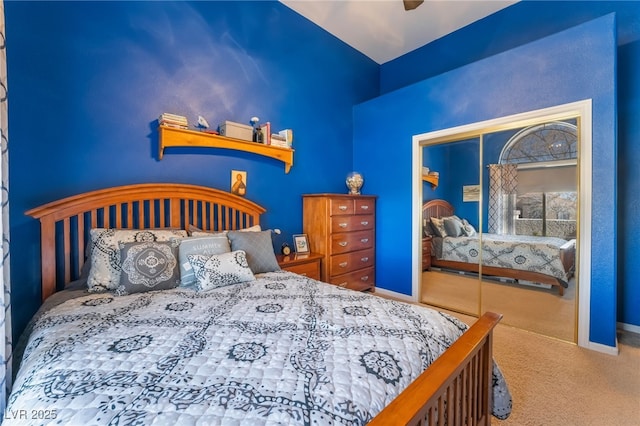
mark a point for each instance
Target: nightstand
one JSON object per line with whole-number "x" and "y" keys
{"x": 307, "y": 264}
{"x": 426, "y": 253}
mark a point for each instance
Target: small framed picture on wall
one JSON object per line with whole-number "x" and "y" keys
{"x": 239, "y": 182}
{"x": 301, "y": 243}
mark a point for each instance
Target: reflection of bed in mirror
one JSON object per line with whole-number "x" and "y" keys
{"x": 544, "y": 260}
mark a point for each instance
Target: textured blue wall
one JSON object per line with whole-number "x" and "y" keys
{"x": 526, "y": 21}
{"x": 576, "y": 64}
{"x": 87, "y": 81}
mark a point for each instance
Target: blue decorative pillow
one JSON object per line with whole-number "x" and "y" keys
{"x": 147, "y": 266}
{"x": 258, "y": 247}
{"x": 220, "y": 270}
{"x": 206, "y": 246}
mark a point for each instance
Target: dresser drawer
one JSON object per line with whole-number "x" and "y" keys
{"x": 364, "y": 206}
{"x": 351, "y": 223}
{"x": 343, "y": 263}
{"x": 345, "y": 242}
{"x": 339, "y": 206}
{"x": 357, "y": 280}
{"x": 310, "y": 270}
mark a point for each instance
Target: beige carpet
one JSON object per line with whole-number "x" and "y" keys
{"x": 558, "y": 383}
{"x": 535, "y": 309}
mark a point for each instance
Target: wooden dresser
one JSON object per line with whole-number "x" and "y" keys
{"x": 342, "y": 229}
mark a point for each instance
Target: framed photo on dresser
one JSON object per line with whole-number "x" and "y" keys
{"x": 301, "y": 243}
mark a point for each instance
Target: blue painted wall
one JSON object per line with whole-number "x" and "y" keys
{"x": 87, "y": 81}
{"x": 576, "y": 64}
{"x": 526, "y": 21}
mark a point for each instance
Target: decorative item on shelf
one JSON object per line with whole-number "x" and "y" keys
{"x": 257, "y": 134}
{"x": 286, "y": 249}
{"x": 234, "y": 130}
{"x": 265, "y": 128}
{"x": 301, "y": 243}
{"x": 173, "y": 120}
{"x": 202, "y": 123}
{"x": 354, "y": 183}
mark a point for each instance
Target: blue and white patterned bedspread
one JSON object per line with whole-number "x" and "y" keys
{"x": 283, "y": 349}
{"x": 522, "y": 252}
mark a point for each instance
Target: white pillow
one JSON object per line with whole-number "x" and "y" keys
{"x": 220, "y": 270}
{"x": 105, "y": 252}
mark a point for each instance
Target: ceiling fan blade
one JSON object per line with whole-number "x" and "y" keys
{"x": 412, "y": 4}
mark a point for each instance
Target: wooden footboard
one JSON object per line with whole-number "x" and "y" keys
{"x": 455, "y": 389}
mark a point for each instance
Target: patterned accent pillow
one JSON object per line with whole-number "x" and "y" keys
{"x": 438, "y": 227}
{"x": 148, "y": 266}
{"x": 207, "y": 246}
{"x": 259, "y": 249}
{"x": 105, "y": 252}
{"x": 468, "y": 229}
{"x": 220, "y": 270}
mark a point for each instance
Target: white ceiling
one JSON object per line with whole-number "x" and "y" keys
{"x": 383, "y": 30}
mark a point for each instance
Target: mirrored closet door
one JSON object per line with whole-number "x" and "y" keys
{"x": 502, "y": 224}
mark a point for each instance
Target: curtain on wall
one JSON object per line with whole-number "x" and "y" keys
{"x": 5, "y": 295}
{"x": 503, "y": 183}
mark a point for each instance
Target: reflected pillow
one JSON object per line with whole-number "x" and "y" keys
{"x": 147, "y": 266}
{"x": 468, "y": 229}
{"x": 438, "y": 227}
{"x": 453, "y": 226}
{"x": 258, "y": 247}
{"x": 207, "y": 246}
{"x": 220, "y": 270}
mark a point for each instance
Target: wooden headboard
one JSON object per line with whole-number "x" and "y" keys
{"x": 65, "y": 224}
{"x": 436, "y": 208}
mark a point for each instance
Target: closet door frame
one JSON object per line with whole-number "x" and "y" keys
{"x": 580, "y": 109}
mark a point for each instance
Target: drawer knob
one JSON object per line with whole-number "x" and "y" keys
{"x": 343, "y": 208}
{"x": 364, "y": 240}
{"x": 342, "y": 225}
{"x": 365, "y": 278}
{"x": 343, "y": 243}
{"x": 364, "y": 259}
{"x": 364, "y": 223}
{"x": 344, "y": 264}
{"x": 365, "y": 207}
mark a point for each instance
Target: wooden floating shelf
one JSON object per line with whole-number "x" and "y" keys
{"x": 433, "y": 180}
{"x": 169, "y": 137}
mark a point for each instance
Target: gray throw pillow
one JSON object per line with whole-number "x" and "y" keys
{"x": 207, "y": 246}
{"x": 147, "y": 266}
{"x": 220, "y": 270}
{"x": 453, "y": 227}
{"x": 259, "y": 249}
